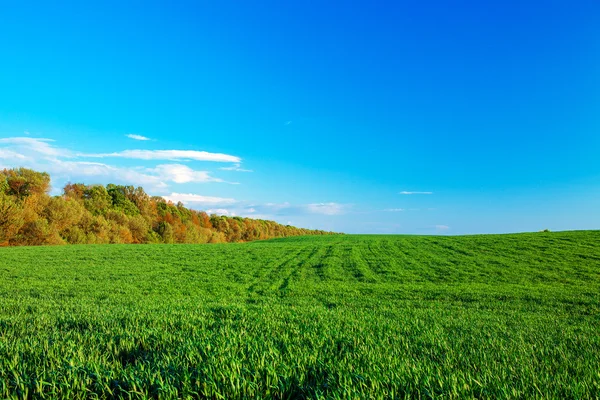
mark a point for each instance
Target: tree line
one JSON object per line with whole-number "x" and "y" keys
{"x": 97, "y": 214}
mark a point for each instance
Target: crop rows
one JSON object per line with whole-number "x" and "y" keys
{"x": 491, "y": 316}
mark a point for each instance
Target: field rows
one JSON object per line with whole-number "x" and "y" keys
{"x": 491, "y": 316}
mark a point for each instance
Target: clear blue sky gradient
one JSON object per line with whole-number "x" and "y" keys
{"x": 494, "y": 107}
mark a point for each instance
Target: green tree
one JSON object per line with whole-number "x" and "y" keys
{"x": 120, "y": 201}
{"x": 97, "y": 200}
{"x": 63, "y": 212}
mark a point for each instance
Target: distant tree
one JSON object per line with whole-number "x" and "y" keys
{"x": 165, "y": 230}
{"x": 23, "y": 182}
{"x": 120, "y": 201}
{"x": 112, "y": 214}
{"x": 63, "y": 213}
{"x": 11, "y": 218}
{"x": 139, "y": 228}
{"x": 38, "y": 232}
{"x": 96, "y": 199}
{"x": 74, "y": 190}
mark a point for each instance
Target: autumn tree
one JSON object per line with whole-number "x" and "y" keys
{"x": 11, "y": 218}
{"x": 112, "y": 214}
{"x": 22, "y": 182}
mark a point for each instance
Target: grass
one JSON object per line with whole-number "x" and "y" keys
{"x": 490, "y": 316}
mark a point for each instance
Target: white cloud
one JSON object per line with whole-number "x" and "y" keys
{"x": 405, "y": 192}
{"x": 442, "y": 227}
{"x": 179, "y": 173}
{"x": 280, "y": 212}
{"x": 267, "y": 211}
{"x": 64, "y": 165}
{"x": 6, "y": 154}
{"x": 278, "y": 206}
{"x": 236, "y": 167}
{"x": 197, "y": 199}
{"x": 288, "y": 122}
{"x": 394, "y": 209}
{"x": 287, "y": 209}
{"x": 326, "y": 208}
{"x": 72, "y": 170}
{"x": 137, "y": 137}
{"x": 220, "y": 211}
{"x": 267, "y": 217}
{"x": 36, "y": 145}
{"x": 40, "y": 155}
{"x": 169, "y": 155}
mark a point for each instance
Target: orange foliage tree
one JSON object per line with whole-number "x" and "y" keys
{"x": 113, "y": 214}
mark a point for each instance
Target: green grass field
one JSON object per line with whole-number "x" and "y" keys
{"x": 490, "y": 316}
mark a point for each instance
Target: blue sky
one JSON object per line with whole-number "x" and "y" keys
{"x": 331, "y": 115}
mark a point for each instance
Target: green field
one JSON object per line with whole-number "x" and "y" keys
{"x": 490, "y": 316}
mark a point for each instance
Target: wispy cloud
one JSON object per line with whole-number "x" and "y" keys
{"x": 137, "y": 137}
{"x": 220, "y": 211}
{"x": 38, "y": 145}
{"x": 236, "y": 167}
{"x": 327, "y": 208}
{"x": 198, "y": 200}
{"x": 179, "y": 173}
{"x": 406, "y": 192}
{"x": 6, "y": 154}
{"x": 45, "y": 147}
{"x": 172, "y": 155}
{"x": 442, "y": 228}
{"x": 286, "y": 209}
{"x": 68, "y": 170}
{"x": 65, "y": 165}
{"x": 394, "y": 209}
{"x": 280, "y": 212}
{"x": 288, "y": 123}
